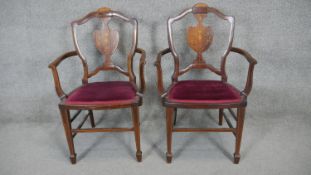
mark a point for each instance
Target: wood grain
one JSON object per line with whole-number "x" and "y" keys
{"x": 199, "y": 38}
{"x": 106, "y": 41}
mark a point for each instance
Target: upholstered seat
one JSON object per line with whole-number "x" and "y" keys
{"x": 103, "y": 93}
{"x": 203, "y": 91}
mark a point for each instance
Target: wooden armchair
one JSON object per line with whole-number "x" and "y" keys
{"x": 102, "y": 95}
{"x": 203, "y": 94}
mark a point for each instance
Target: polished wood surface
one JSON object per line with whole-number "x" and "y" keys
{"x": 169, "y": 133}
{"x": 106, "y": 41}
{"x": 199, "y": 38}
{"x": 105, "y": 13}
{"x": 200, "y": 11}
{"x": 136, "y": 123}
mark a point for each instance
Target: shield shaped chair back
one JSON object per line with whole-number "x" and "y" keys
{"x": 106, "y": 40}
{"x": 199, "y": 38}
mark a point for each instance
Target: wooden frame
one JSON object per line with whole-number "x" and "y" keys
{"x": 65, "y": 108}
{"x": 171, "y": 108}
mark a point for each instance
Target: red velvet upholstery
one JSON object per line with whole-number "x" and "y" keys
{"x": 103, "y": 93}
{"x": 206, "y": 91}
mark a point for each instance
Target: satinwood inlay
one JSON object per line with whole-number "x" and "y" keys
{"x": 106, "y": 41}
{"x": 199, "y": 37}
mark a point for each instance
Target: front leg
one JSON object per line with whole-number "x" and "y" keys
{"x": 68, "y": 131}
{"x": 169, "y": 132}
{"x": 135, "y": 116}
{"x": 239, "y": 131}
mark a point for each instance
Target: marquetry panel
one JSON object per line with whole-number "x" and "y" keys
{"x": 199, "y": 37}
{"x": 106, "y": 39}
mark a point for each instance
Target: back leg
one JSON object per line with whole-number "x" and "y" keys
{"x": 221, "y": 116}
{"x": 92, "y": 119}
{"x": 175, "y": 115}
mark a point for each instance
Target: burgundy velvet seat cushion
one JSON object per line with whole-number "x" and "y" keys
{"x": 203, "y": 91}
{"x": 103, "y": 93}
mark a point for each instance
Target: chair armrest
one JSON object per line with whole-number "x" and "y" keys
{"x": 53, "y": 66}
{"x": 246, "y": 55}
{"x": 159, "y": 70}
{"x": 142, "y": 63}
{"x": 252, "y": 62}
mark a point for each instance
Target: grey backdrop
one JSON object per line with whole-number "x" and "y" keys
{"x": 276, "y": 32}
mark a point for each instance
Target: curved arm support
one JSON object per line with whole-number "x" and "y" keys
{"x": 53, "y": 66}
{"x": 159, "y": 69}
{"x": 252, "y": 62}
{"x": 142, "y": 63}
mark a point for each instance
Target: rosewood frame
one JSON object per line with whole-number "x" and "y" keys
{"x": 171, "y": 108}
{"x": 65, "y": 108}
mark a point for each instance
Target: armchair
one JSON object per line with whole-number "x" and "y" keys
{"x": 203, "y": 94}
{"x": 102, "y": 95}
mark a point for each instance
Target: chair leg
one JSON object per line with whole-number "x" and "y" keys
{"x": 67, "y": 127}
{"x": 221, "y": 116}
{"x": 175, "y": 116}
{"x": 169, "y": 132}
{"x": 136, "y": 123}
{"x": 92, "y": 119}
{"x": 239, "y": 130}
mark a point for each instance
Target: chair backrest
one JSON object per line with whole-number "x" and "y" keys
{"x": 106, "y": 41}
{"x": 199, "y": 38}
